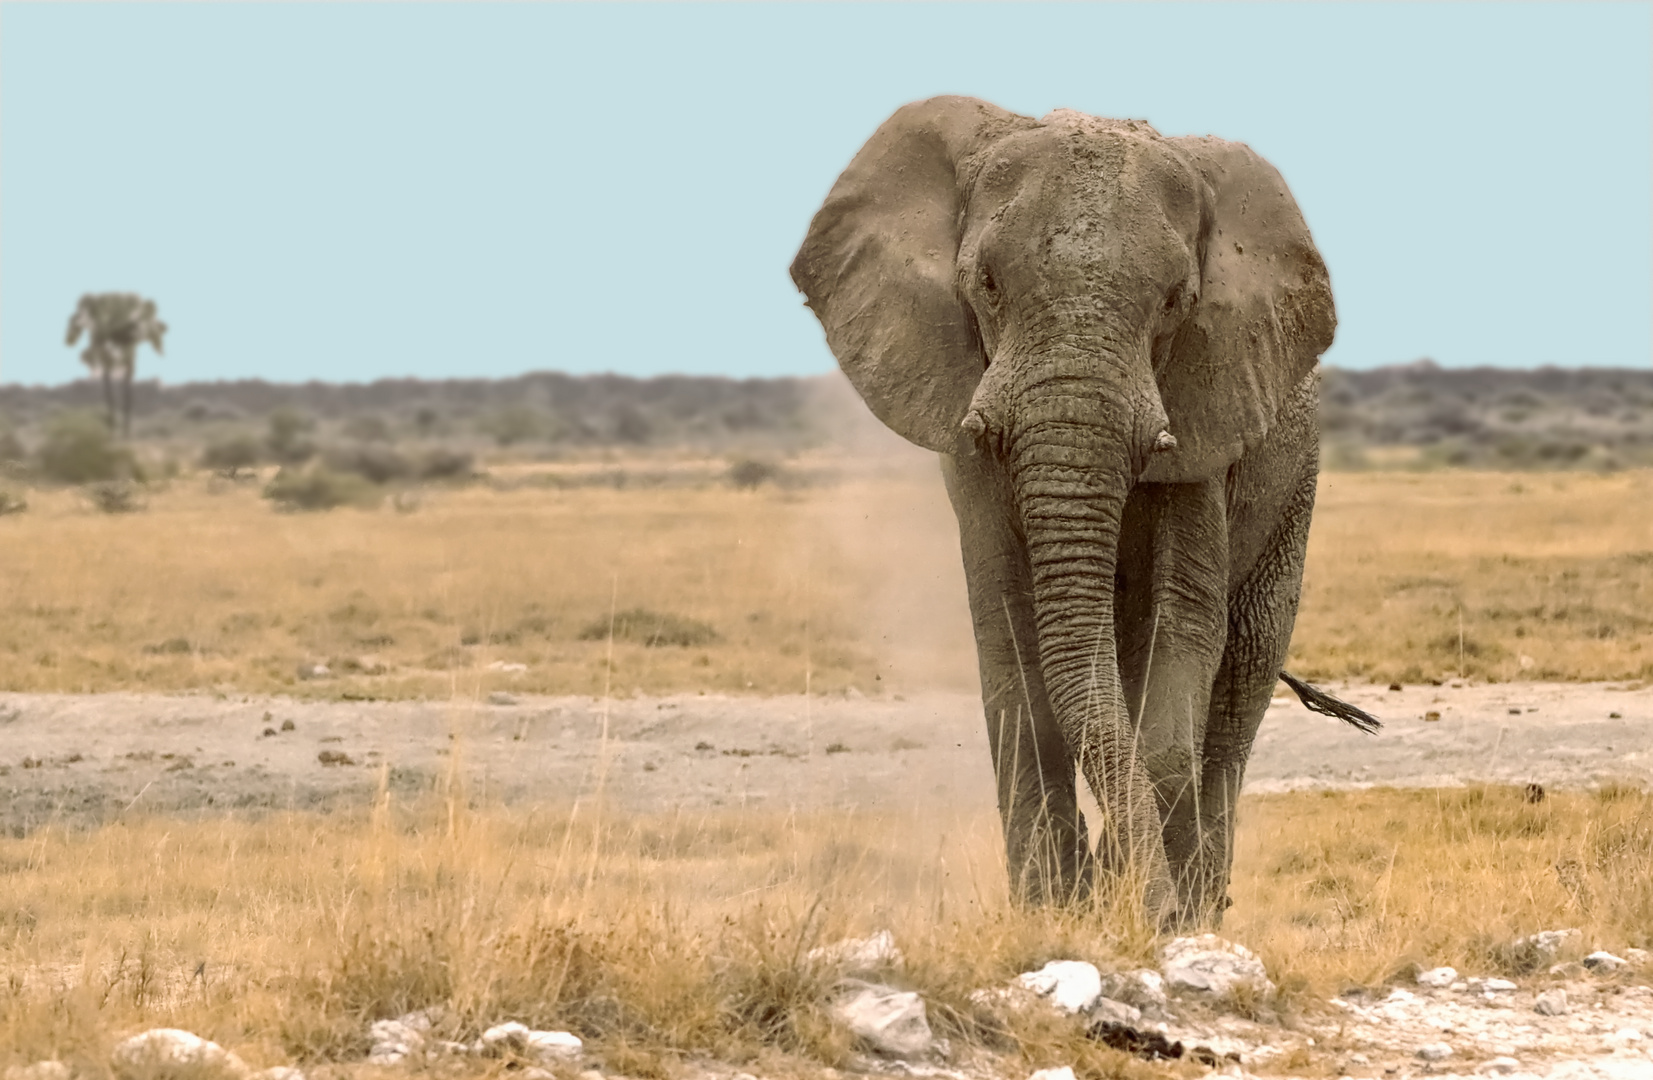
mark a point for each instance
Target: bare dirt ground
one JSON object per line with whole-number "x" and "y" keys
{"x": 82, "y": 760}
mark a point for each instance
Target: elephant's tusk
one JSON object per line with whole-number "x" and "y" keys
{"x": 1164, "y": 441}
{"x": 974, "y": 424}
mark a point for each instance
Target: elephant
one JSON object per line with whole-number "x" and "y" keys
{"x": 1112, "y": 339}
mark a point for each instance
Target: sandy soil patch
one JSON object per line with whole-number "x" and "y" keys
{"x": 85, "y": 759}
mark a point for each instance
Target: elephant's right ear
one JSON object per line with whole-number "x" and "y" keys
{"x": 877, "y": 268}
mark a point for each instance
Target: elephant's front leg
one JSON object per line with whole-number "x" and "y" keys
{"x": 1045, "y": 835}
{"x": 1172, "y": 598}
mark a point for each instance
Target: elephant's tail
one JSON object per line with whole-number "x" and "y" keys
{"x": 1317, "y": 700}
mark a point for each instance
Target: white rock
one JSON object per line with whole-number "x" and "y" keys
{"x": 1500, "y": 986}
{"x": 547, "y": 1045}
{"x": 40, "y": 1070}
{"x": 1063, "y": 1073}
{"x": 891, "y": 1021}
{"x": 1603, "y": 962}
{"x": 1208, "y": 962}
{"x": 1434, "y": 1051}
{"x": 1116, "y": 1012}
{"x": 159, "y": 1051}
{"x": 1627, "y": 1034}
{"x": 381, "y": 1056}
{"x": 860, "y": 954}
{"x": 278, "y": 1072}
{"x": 1551, "y": 1003}
{"x": 1500, "y": 1066}
{"x": 1143, "y": 988}
{"x": 1549, "y": 943}
{"x": 1071, "y": 985}
{"x": 534, "y": 1072}
{"x": 395, "y": 1037}
{"x": 447, "y": 1047}
{"x": 1441, "y": 976}
{"x": 510, "y": 1035}
{"x": 1639, "y": 957}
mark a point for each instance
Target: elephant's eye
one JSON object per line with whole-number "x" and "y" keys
{"x": 988, "y": 285}
{"x": 1173, "y": 299}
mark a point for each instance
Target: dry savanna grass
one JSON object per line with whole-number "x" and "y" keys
{"x": 667, "y": 937}
{"x": 1494, "y": 576}
{"x": 1411, "y": 576}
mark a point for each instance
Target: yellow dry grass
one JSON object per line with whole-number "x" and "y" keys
{"x": 853, "y": 584}
{"x": 664, "y": 937}
{"x": 1415, "y": 576}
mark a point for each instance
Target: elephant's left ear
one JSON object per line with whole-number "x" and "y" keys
{"x": 1263, "y": 317}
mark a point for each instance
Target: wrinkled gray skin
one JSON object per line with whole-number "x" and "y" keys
{"x": 1111, "y": 337}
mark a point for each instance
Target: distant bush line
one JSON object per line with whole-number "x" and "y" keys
{"x": 411, "y": 429}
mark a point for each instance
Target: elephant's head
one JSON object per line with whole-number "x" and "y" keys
{"x": 1089, "y": 302}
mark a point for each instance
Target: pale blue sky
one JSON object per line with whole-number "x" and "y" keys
{"x": 370, "y": 190}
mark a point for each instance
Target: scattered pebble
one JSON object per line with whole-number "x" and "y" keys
{"x": 860, "y": 954}
{"x": 1073, "y": 986}
{"x": 1210, "y": 963}
{"x": 891, "y": 1021}
{"x": 1498, "y": 986}
{"x": 1500, "y": 1066}
{"x": 40, "y": 1070}
{"x": 1065, "y": 1072}
{"x": 500, "y": 697}
{"x": 160, "y": 1051}
{"x": 518, "y": 1038}
{"x": 1603, "y": 962}
{"x": 1549, "y": 943}
{"x": 1116, "y": 1012}
{"x": 1441, "y": 976}
{"x": 1437, "y": 1051}
{"x": 1551, "y": 1003}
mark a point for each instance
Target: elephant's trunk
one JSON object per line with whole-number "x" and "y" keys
{"x": 1077, "y": 446}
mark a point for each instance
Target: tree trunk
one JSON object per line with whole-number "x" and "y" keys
{"x": 126, "y": 402}
{"x": 108, "y": 396}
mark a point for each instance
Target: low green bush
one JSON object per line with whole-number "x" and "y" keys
{"x": 79, "y": 449}
{"x": 652, "y": 628}
{"x": 318, "y": 489}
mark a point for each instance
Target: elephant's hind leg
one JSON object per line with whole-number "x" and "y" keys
{"x": 1261, "y": 612}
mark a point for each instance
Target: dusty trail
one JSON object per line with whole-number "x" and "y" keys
{"x": 81, "y": 760}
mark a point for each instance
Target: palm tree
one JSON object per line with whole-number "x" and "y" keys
{"x": 115, "y": 325}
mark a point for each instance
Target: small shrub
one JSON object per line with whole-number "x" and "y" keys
{"x": 652, "y": 628}
{"x": 286, "y": 439}
{"x": 444, "y": 464}
{"x": 517, "y": 423}
{"x": 229, "y": 456}
{"x": 79, "y": 449}
{"x": 317, "y": 489}
{"x": 115, "y": 497}
{"x": 747, "y": 473}
{"x": 372, "y": 461}
{"x": 11, "y": 449}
